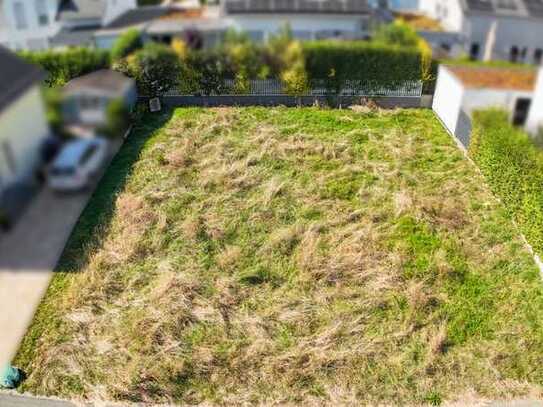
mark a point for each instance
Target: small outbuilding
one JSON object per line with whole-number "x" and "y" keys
{"x": 462, "y": 89}
{"x": 86, "y": 99}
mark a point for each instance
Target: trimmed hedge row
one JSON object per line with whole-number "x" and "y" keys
{"x": 513, "y": 167}
{"x": 62, "y": 66}
{"x": 356, "y": 60}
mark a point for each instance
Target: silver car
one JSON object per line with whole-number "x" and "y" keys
{"x": 77, "y": 163}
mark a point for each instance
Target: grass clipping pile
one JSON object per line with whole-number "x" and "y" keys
{"x": 288, "y": 255}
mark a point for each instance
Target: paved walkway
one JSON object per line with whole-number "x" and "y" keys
{"x": 28, "y": 255}
{"x": 11, "y": 400}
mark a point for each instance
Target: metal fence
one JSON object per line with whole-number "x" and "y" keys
{"x": 274, "y": 87}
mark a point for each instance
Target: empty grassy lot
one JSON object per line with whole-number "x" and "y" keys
{"x": 290, "y": 255}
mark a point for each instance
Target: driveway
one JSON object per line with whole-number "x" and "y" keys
{"x": 28, "y": 255}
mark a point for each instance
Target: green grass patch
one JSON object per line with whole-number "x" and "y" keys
{"x": 257, "y": 255}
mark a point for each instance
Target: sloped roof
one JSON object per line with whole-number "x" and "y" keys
{"x": 516, "y": 8}
{"x": 138, "y": 16}
{"x": 81, "y": 9}
{"x": 16, "y": 76}
{"x": 521, "y": 79}
{"x": 105, "y": 80}
{"x": 297, "y": 6}
{"x": 75, "y": 36}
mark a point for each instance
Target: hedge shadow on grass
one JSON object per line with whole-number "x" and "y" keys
{"x": 96, "y": 217}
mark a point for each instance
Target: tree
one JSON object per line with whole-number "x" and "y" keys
{"x": 156, "y": 68}
{"x": 397, "y": 33}
{"x": 126, "y": 44}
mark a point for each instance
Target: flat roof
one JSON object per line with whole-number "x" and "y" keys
{"x": 521, "y": 79}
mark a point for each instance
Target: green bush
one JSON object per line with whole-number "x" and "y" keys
{"x": 126, "y": 44}
{"x": 118, "y": 119}
{"x": 205, "y": 71}
{"x": 381, "y": 65}
{"x": 397, "y": 33}
{"x": 156, "y": 68}
{"x": 62, "y": 66}
{"x": 513, "y": 167}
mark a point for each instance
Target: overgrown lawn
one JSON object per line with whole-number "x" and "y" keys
{"x": 290, "y": 255}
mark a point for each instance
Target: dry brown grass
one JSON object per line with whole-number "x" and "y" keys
{"x": 298, "y": 256}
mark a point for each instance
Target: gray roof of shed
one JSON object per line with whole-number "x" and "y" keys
{"x": 16, "y": 77}
{"x": 105, "y": 80}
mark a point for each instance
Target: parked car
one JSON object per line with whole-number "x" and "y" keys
{"x": 76, "y": 164}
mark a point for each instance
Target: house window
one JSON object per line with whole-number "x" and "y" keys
{"x": 9, "y": 156}
{"x": 41, "y": 12}
{"x": 20, "y": 16}
{"x": 538, "y": 56}
{"x": 514, "y": 54}
{"x": 523, "y": 54}
{"x": 474, "y": 51}
{"x": 520, "y": 114}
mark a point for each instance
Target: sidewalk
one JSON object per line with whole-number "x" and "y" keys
{"x": 28, "y": 255}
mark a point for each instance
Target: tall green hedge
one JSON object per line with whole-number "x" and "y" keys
{"x": 358, "y": 60}
{"x": 513, "y": 167}
{"x": 62, "y": 66}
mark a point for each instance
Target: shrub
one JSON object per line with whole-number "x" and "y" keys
{"x": 397, "y": 33}
{"x": 126, "y": 44}
{"x": 513, "y": 167}
{"x": 293, "y": 72}
{"x": 62, "y": 66}
{"x": 378, "y": 64}
{"x": 156, "y": 68}
{"x": 207, "y": 71}
{"x": 118, "y": 119}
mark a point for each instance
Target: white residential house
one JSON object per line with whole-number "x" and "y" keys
{"x": 512, "y": 29}
{"x": 460, "y": 90}
{"x": 41, "y": 24}
{"x": 23, "y": 126}
{"x": 308, "y": 19}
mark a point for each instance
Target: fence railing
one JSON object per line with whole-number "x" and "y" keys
{"x": 274, "y": 87}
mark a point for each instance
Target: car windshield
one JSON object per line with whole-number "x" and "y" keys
{"x": 62, "y": 171}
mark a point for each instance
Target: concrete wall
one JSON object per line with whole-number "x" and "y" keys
{"x": 475, "y": 99}
{"x": 535, "y": 115}
{"x": 448, "y": 98}
{"x": 238, "y": 100}
{"x": 23, "y": 128}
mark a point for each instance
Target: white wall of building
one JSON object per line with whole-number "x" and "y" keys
{"x": 511, "y": 31}
{"x": 476, "y": 99}
{"x": 116, "y": 8}
{"x": 448, "y": 98}
{"x": 448, "y": 12}
{"x": 535, "y": 115}
{"x": 22, "y": 138}
{"x": 302, "y": 25}
{"x": 39, "y": 23}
